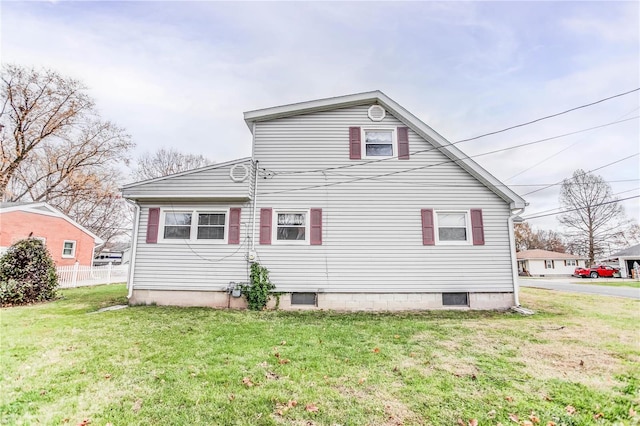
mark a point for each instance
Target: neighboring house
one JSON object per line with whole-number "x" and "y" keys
{"x": 626, "y": 260}
{"x": 352, "y": 203}
{"x": 544, "y": 263}
{"x": 116, "y": 254}
{"x": 67, "y": 241}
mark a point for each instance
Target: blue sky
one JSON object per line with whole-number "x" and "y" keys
{"x": 180, "y": 74}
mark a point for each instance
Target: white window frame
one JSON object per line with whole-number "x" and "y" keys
{"x": 274, "y": 227}
{"x": 436, "y": 227}
{"x": 193, "y": 231}
{"x": 394, "y": 142}
{"x": 549, "y": 264}
{"x": 572, "y": 262}
{"x": 73, "y": 249}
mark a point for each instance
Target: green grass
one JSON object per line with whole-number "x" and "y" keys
{"x": 634, "y": 284}
{"x": 62, "y": 362}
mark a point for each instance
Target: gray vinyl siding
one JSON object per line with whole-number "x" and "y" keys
{"x": 372, "y": 235}
{"x": 187, "y": 265}
{"x": 209, "y": 182}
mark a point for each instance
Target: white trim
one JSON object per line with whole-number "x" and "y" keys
{"x": 467, "y": 219}
{"x": 73, "y": 249}
{"x": 134, "y": 247}
{"x": 274, "y": 227}
{"x": 363, "y": 141}
{"x": 193, "y": 228}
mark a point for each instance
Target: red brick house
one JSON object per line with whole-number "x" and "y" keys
{"x": 67, "y": 241}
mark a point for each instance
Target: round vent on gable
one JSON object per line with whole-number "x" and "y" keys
{"x": 376, "y": 113}
{"x": 239, "y": 172}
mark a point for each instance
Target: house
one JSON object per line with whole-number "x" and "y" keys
{"x": 67, "y": 241}
{"x": 626, "y": 260}
{"x": 116, "y": 254}
{"x": 352, "y": 203}
{"x": 544, "y": 263}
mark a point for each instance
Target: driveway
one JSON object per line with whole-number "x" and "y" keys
{"x": 570, "y": 285}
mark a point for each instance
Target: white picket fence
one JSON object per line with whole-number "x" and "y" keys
{"x": 78, "y": 276}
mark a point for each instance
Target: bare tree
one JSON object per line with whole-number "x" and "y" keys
{"x": 593, "y": 219}
{"x": 56, "y": 148}
{"x": 528, "y": 239}
{"x": 165, "y": 162}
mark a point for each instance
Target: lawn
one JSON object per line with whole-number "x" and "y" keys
{"x": 575, "y": 362}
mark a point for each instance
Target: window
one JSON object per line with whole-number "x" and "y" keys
{"x": 211, "y": 226}
{"x": 548, "y": 264}
{"x": 177, "y": 226}
{"x": 379, "y": 143}
{"x": 291, "y": 226}
{"x": 194, "y": 226}
{"x": 303, "y": 299}
{"x": 452, "y": 227}
{"x": 455, "y": 299}
{"x": 69, "y": 249}
{"x": 570, "y": 262}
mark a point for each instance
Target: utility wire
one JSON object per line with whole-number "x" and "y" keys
{"x": 550, "y": 116}
{"x": 459, "y": 141}
{"x": 452, "y": 161}
{"x": 580, "y": 208}
{"x": 560, "y": 208}
{"x": 587, "y": 172}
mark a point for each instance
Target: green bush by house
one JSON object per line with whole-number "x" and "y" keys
{"x": 27, "y": 274}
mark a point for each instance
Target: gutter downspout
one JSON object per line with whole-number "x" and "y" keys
{"x": 134, "y": 247}
{"x": 252, "y": 247}
{"x": 514, "y": 260}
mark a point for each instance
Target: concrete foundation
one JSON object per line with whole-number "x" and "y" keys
{"x": 326, "y": 301}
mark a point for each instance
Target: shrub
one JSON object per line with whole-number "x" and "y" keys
{"x": 257, "y": 292}
{"x": 27, "y": 274}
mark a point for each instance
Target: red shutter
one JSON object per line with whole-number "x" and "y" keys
{"x": 152, "y": 225}
{"x": 316, "y": 227}
{"x": 265, "y": 226}
{"x": 428, "y": 230}
{"x": 403, "y": 143}
{"x": 355, "y": 147}
{"x": 477, "y": 227}
{"x": 234, "y": 225}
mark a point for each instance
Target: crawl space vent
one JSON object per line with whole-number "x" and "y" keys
{"x": 376, "y": 113}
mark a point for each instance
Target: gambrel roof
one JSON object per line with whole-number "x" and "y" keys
{"x": 426, "y": 132}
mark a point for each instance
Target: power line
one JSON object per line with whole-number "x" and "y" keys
{"x": 463, "y": 140}
{"x": 612, "y": 195}
{"x": 590, "y": 171}
{"x": 580, "y": 208}
{"x": 549, "y": 116}
{"x": 450, "y": 161}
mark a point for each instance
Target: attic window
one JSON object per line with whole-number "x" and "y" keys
{"x": 376, "y": 113}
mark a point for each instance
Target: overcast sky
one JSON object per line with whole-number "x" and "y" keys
{"x": 180, "y": 74}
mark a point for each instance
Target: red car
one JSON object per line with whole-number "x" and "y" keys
{"x": 597, "y": 271}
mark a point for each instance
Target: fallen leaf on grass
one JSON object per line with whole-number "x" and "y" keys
{"x": 632, "y": 412}
{"x": 247, "y": 382}
{"x": 284, "y": 361}
{"x": 550, "y": 423}
{"x": 570, "y": 409}
{"x": 396, "y": 336}
{"x": 376, "y": 350}
{"x": 84, "y": 422}
{"x": 312, "y": 408}
{"x": 137, "y": 405}
{"x": 534, "y": 418}
{"x": 514, "y": 418}
{"x": 509, "y": 399}
{"x": 460, "y": 422}
{"x": 526, "y": 423}
{"x": 597, "y": 416}
{"x": 473, "y": 422}
{"x": 491, "y": 414}
{"x": 232, "y": 397}
{"x": 362, "y": 380}
{"x": 107, "y": 376}
{"x": 284, "y": 342}
{"x": 271, "y": 376}
{"x": 547, "y": 397}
